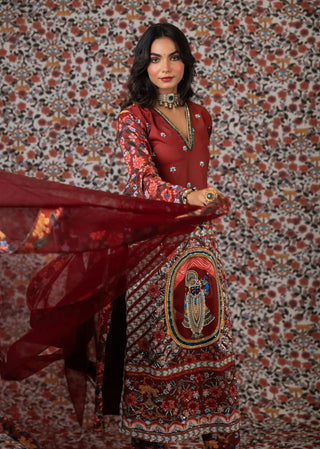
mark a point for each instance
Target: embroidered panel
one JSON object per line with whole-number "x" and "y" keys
{"x": 194, "y": 303}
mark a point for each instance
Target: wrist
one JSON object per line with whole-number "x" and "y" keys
{"x": 185, "y": 193}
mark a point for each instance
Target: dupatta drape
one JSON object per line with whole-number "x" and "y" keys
{"x": 102, "y": 241}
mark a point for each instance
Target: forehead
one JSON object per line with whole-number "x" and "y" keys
{"x": 163, "y": 46}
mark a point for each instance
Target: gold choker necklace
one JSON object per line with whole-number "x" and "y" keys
{"x": 170, "y": 100}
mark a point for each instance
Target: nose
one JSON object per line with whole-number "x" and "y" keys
{"x": 166, "y": 65}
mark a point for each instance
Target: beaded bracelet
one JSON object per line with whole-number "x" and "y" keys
{"x": 185, "y": 193}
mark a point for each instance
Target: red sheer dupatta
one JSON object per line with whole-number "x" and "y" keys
{"x": 103, "y": 243}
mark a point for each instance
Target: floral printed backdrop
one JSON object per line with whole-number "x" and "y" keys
{"x": 64, "y": 66}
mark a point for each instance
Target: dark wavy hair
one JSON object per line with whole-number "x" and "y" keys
{"x": 141, "y": 90}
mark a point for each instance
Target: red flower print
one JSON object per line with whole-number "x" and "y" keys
{"x": 154, "y": 290}
{"x": 193, "y": 407}
{"x": 131, "y": 400}
{"x": 159, "y": 335}
{"x": 168, "y": 405}
{"x": 186, "y": 396}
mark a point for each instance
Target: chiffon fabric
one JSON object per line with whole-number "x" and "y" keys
{"x": 102, "y": 244}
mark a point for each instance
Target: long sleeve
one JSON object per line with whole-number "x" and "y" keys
{"x": 144, "y": 180}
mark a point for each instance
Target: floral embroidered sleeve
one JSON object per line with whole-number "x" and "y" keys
{"x": 144, "y": 180}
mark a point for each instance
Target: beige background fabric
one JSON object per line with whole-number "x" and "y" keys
{"x": 64, "y": 66}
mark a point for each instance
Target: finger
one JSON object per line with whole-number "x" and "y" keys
{"x": 211, "y": 195}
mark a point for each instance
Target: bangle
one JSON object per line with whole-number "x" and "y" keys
{"x": 185, "y": 193}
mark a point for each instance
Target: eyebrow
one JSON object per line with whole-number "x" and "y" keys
{"x": 171, "y": 54}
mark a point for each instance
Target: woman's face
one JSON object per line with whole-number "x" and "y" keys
{"x": 165, "y": 68}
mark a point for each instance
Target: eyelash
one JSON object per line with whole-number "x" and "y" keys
{"x": 173, "y": 58}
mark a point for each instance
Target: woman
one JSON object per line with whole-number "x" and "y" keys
{"x": 179, "y": 375}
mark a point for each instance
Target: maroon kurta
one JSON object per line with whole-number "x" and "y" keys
{"x": 160, "y": 161}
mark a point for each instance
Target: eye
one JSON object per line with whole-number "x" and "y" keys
{"x": 154, "y": 59}
{"x": 176, "y": 57}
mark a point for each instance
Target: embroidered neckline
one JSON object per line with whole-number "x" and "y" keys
{"x": 189, "y": 140}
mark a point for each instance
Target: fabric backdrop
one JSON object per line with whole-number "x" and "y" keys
{"x": 64, "y": 66}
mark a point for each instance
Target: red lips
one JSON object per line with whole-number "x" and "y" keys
{"x": 167, "y": 79}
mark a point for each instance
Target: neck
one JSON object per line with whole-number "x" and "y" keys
{"x": 170, "y": 100}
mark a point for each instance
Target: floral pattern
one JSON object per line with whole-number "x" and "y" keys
{"x": 63, "y": 71}
{"x": 177, "y": 389}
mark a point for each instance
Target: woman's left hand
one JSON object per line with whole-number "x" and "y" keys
{"x": 202, "y": 197}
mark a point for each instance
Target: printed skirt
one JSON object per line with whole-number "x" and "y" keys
{"x": 179, "y": 374}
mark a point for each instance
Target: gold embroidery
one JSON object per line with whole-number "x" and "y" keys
{"x": 197, "y": 315}
{"x": 189, "y": 140}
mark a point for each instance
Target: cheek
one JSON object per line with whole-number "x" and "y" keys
{"x": 182, "y": 68}
{"x": 151, "y": 71}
